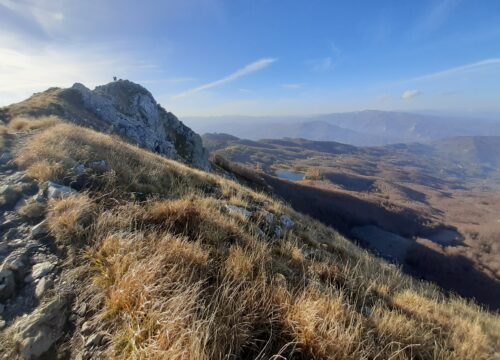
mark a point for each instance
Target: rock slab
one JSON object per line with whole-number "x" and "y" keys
{"x": 36, "y": 333}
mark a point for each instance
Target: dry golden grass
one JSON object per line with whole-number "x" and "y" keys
{"x": 313, "y": 174}
{"x": 179, "y": 277}
{"x": 32, "y": 210}
{"x": 45, "y": 170}
{"x": 70, "y": 219}
{"x": 132, "y": 169}
{"x": 3, "y": 134}
{"x": 22, "y": 123}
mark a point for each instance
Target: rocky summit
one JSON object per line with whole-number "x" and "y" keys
{"x": 123, "y": 108}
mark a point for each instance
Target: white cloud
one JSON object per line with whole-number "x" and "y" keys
{"x": 292, "y": 86}
{"x": 459, "y": 70}
{"x": 167, "y": 81}
{"x": 23, "y": 72}
{"x": 33, "y": 58}
{"x": 324, "y": 64}
{"x": 48, "y": 15}
{"x": 410, "y": 94}
{"x": 246, "y": 70}
{"x": 321, "y": 65}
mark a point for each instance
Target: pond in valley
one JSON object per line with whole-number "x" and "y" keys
{"x": 289, "y": 175}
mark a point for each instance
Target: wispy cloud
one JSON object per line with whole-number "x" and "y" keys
{"x": 435, "y": 17}
{"x": 326, "y": 63}
{"x": 23, "y": 71}
{"x": 495, "y": 62}
{"x": 42, "y": 15}
{"x": 38, "y": 50}
{"x": 321, "y": 65}
{"x": 246, "y": 70}
{"x": 410, "y": 94}
{"x": 168, "y": 81}
{"x": 292, "y": 86}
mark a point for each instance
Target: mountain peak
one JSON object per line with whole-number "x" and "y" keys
{"x": 124, "y": 108}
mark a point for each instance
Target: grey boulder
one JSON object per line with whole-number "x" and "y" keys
{"x": 7, "y": 284}
{"x": 57, "y": 191}
{"x": 36, "y": 333}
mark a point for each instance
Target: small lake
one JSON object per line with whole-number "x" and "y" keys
{"x": 289, "y": 175}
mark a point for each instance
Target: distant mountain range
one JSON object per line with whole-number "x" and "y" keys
{"x": 363, "y": 128}
{"x": 469, "y": 151}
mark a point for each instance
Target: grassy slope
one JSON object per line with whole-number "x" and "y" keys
{"x": 171, "y": 274}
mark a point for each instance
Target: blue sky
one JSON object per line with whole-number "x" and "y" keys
{"x": 209, "y": 57}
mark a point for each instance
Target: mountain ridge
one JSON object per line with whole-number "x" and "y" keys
{"x": 122, "y": 108}
{"x": 362, "y": 128}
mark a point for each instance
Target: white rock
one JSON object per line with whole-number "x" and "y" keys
{"x": 82, "y": 309}
{"x": 40, "y": 229}
{"x": 35, "y": 334}
{"x": 39, "y": 197}
{"x": 17, "y": 263}
{"x": 278, "y": 231}
{"x": 39, "y": 270}
{"x": 43, "y": 285}
{"x": 79, "y": 169}
{"x": 269, "y": 217}
{"x": 94, "y": 339}
{"x": 86, "y": 328}
{"x": 57, "y": 191}
{"x": 233, "y": 209}
{"x": 286, "y": 221}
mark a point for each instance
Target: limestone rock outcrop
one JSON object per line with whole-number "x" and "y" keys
{"x": 129, "y": 110}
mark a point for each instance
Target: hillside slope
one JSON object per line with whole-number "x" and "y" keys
{"x": 441, "y": 199}
{"x": 122, "y": 108}
{"x": 154, "y": 259}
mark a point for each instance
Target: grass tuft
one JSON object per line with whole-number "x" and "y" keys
{"x": 22, "y": 123}
{"x": 70, "y": 219}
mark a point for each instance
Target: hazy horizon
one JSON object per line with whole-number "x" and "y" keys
{"x": 445, "y": 114}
